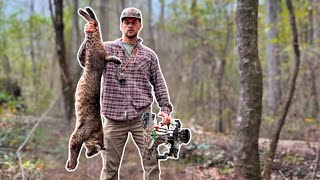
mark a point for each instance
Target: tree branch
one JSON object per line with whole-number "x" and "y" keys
{"x": 273, "y": 146}
{"x": 316, "y": 166}
{"x": 51, "y": 13}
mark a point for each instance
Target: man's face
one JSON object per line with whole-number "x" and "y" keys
{"x": 130, "y": 27}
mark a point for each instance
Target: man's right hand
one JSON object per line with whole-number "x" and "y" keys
{"x": 90, "y": 27}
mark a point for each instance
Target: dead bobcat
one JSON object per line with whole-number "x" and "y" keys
{"x": 88, "y": 127}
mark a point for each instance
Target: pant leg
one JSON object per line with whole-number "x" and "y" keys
{"x": 151, "y": 167}
{"x": 115, "y": 137}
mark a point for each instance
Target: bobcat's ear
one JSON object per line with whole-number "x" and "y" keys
{"x": 91, "y": 13}
{"x": 88, "y": 15}
{"x": 84, "y": 15}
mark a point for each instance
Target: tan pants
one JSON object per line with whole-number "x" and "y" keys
{"x": 115, "y": 136}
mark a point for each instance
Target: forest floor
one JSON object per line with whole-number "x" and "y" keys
{"x": 208, "y": 156}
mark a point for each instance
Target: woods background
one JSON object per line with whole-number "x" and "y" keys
{"x": 195, "y": 41}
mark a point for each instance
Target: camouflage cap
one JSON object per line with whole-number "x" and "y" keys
{"x": 131, "y": 12}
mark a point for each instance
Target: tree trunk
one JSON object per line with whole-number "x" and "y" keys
{"x": 105, "y": 22}
{"x": 67, "y": 90}
{"x": 75, "y": 69}
{"x": 121, "y": 6}
{"x": 162, "y": 2}
{"x": 35, "y": 77}
{"x": 75, "y": 29}
{"x": 273, "y": 51}
{"x": 316, "y": 33}
{"x": 6, "y": 66}
{"x": 150, "y": 27}
{"x": 220, "y": 76}
{"x": 273, "y": 146}
{"x": 314, "y": 89}
{"x": 313, "y": 63}
{"x": 194, "y": 13}
{"x": 161, "y": 35}
{"x": 247, "y": 163}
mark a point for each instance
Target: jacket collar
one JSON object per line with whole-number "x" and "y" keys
{"x": 119, "y": 42}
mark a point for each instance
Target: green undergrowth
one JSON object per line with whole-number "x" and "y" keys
{"x": 12, "y": 135}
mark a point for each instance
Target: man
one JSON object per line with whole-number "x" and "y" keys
{"x": 127, "y": 93}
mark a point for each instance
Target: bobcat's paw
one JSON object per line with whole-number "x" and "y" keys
{"x": 71, "y": 165}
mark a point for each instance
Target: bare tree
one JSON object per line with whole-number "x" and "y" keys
{"x": 75, "y": 69}
{"x": 150, "y": 27}
{"x": 6, "y": 66}
{"x": 160, "y": 28}
{"x": 247, "y": 163}
{"x": 273, "y": 146}
{"x": 162, "y": 2}
{"x": 75, "y": 29}
{"x": 32, "y": 53}
{"x": 314, "y": 65}
{"x": 159, "y": 33}
{"x": 273, "y": 51}
{"x": 104, "y": 15}
{"x": 221, "y": 74}
{"x": 312, "y": 62}
{"x": 121, "y": 5}
{"x": 66, "y": 82}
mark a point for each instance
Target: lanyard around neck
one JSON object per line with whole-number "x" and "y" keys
{"x": 136, "y": 50}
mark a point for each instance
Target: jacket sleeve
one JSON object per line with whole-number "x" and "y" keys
{"x": 82, "y": 54}
{"x": 159, "y": 85}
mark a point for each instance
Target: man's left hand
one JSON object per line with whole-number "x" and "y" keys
{"x": 166, "y": 118}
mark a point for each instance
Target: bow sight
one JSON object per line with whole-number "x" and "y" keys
{"x": 171, "y": 135}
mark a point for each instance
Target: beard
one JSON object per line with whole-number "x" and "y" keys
{"x": 130, "y": 36}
